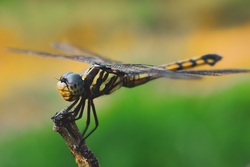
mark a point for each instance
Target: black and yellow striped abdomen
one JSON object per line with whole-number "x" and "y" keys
{"x": 141, "y": 78}
{"x": 210, "y": 59}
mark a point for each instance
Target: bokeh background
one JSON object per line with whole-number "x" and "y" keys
{"x": 170, "y": 123}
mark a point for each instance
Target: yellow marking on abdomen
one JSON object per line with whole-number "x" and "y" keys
{"x": 172, "y": 67}
{"x": 199, "y": 62}
{"x": 210, "y": 60}
{"x": 135, "y": 80}
{"x": 187, "y": 64}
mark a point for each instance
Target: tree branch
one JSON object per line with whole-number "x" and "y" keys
{"x": 65, "y": 125}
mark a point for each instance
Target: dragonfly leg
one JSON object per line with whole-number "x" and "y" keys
{"x": 72, "y": 105}
{"x": 88, "y": 119}
{"x": 90, "y": 106}
{"x": 57, "y": 118}
{"x": 79, "y": 110}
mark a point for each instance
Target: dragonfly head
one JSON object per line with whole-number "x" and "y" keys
{"x": 70, "y": 86}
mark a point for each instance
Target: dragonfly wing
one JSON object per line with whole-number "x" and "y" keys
{"x": 150, "y": 70}
{"x": 130, "y": 68}
{"x": 73, "y": 50}
{"x": 81, "y": 58}
{"x": 174, "y": 75}
{"x": 214, "y": 72}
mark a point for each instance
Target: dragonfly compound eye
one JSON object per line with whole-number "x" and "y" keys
{"x": 70, "y": 86}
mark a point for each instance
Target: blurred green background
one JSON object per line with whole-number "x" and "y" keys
{"x": 169, "y": 123}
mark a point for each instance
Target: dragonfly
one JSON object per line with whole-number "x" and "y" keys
{"x": 105, "y": 76}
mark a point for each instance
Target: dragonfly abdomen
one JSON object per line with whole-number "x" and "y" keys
{"x": 133, "y": 80}
{"x": 136, "y": 79}
{"x": 210, "y": 59}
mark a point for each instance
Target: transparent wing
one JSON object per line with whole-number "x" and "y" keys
{"x": 73, "y": 50}
{"x": 130, "y": 68}
{"x": 159, "y": 71}
{"x": 80, "y": 58}
{"x": 115, "y": 68}
{"x": 214, "y": 72}
{"x": 150, "y": 70}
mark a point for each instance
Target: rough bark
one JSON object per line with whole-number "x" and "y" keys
{"x": 65, "y": 125}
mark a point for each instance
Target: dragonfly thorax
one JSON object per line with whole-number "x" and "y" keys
{"x": 70, "y": 86}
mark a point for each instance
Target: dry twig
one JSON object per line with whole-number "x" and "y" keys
{"x": 65, "y": 125}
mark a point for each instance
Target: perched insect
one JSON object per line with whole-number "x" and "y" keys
{"x": 105, "y": 76}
